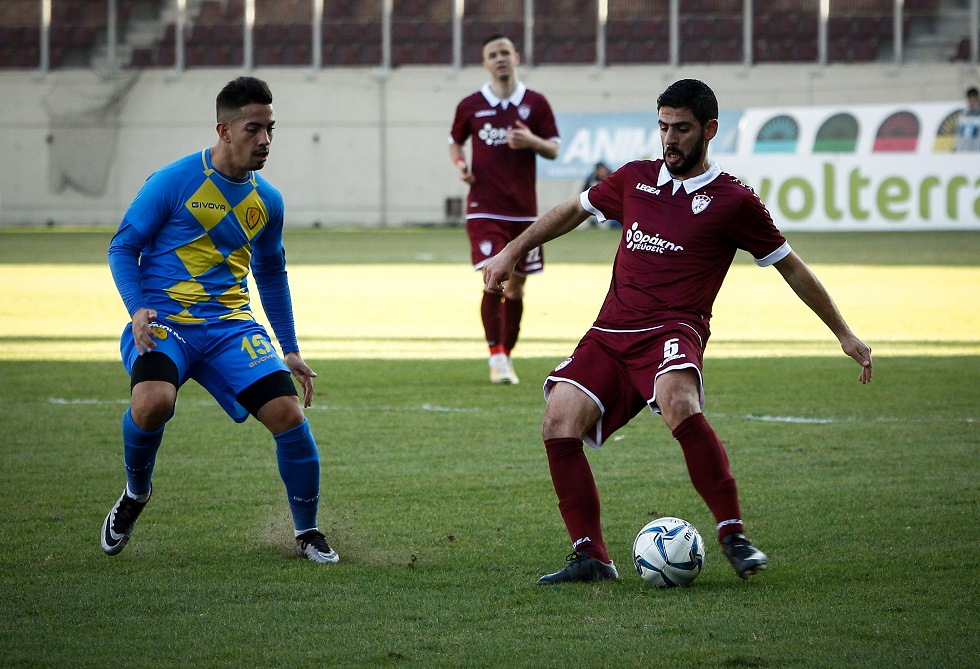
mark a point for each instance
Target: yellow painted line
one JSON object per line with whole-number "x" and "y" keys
{"x": 72, "y": 312}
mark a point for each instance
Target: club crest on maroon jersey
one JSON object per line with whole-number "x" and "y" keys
{"x": 700, "y": 203}
{"x": 523, "y": 111}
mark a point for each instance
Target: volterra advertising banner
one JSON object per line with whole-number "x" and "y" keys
{"x": 858, "y": 167}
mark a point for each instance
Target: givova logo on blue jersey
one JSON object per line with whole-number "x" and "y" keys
{"x": 208, "y": 205}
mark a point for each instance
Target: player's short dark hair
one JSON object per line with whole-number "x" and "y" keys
{"x": 970, "y": 92}
{"x": 494, "y": 37}
{"x": 242, "y": 92}
{"x": 691, "y": 94}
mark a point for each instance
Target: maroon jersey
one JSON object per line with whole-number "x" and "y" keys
{"x": 505, "y": 177}
{"x": 679, "y": 239}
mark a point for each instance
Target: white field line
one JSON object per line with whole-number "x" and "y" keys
{"x": 432, "y": 408}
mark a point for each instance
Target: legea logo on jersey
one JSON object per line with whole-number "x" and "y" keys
{"x": 492, "y": 136}
{"x": 637, "y": 240}
{"x": 647, "y": 189}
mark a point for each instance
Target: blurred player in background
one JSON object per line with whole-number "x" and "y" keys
{"x": 968, "y": 130}
{"x": 510, "y": 126}
{"x": 180, "y": 260}
{"x": 598, "y": 173}
{"x": 683, "y": 220}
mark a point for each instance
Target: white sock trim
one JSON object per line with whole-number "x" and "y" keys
{"x": 139, "y": 498}
{"x": 310, "y": 529}
{"x": 726, "y": 523}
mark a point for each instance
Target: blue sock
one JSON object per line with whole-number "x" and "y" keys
{"x": 299, "y": 467}
{"x": 140, "y": 454}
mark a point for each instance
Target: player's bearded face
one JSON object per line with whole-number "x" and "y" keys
{"x": 682, "y": 157}
{"x": 684, "y": 140}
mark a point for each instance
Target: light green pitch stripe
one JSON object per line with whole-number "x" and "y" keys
{"x": 72, "y": 312}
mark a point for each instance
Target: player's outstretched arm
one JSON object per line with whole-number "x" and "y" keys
{"x": 302, "y": 372}
{"x": 560, "y": 219}
{"x": 809, "y": 289}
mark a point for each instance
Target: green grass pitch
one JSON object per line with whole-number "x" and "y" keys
{"x": 437, "y": 496}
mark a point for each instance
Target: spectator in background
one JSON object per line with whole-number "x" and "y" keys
{"x": 968, "y": 133}
{"x": 599, "y": 172}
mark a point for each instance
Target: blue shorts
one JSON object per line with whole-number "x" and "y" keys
{"x": 225, "y": 357}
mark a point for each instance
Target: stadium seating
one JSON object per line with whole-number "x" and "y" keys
{"x": 565, "y": 31}
{"x": 421, "y": 32}
{"x": 637, "y": 40}
{"x": 962, "y": 52}
{"x": 73, "y": 33}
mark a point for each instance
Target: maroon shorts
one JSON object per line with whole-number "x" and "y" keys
{"x": 618, "y": 370}
{"x": 489, "y": 236}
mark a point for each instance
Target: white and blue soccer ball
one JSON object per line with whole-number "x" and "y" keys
{"x": 668, "y": 552}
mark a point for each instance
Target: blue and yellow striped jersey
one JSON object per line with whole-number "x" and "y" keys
{"x": 195, "y": 231}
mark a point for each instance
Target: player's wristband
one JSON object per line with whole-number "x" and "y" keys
{"x": 461, "y": 161}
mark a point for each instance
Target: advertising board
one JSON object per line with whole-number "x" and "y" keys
{"x": 819, "y": 168}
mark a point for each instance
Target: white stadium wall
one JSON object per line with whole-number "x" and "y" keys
{"x": 362, "y": 147}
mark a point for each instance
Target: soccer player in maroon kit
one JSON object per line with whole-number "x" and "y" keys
{"x": 510, "y": 126}
{"x": 683, "y": 220}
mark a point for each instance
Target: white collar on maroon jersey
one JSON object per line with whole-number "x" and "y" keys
{"x": 692, "y": 184}
{"x": 514, "y": 99}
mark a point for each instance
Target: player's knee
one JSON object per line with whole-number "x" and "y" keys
{"x": 514, "y": 290}
{"x": 153, "y": 386}
{"x": 569, "y": 413}
{"x": 291, "y": 415}
{"x": 560, "y": 425}
{"x": 677, "y": 408}
{"x": 150, "y": 412}
{"x": 281, "y": 414}
{"x": 549, "y": 430}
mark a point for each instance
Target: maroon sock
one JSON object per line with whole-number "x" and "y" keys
{"x": 707, "y": 464}
{"x": 491, "y": 313}
{"x": 511, "y": 327}
{"x": 578, "y": 497}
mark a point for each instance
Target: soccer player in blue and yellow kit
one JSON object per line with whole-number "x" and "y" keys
{"x": 180, "y": 260}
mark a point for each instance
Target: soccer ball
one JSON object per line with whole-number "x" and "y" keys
{"x": 668, "y": 552}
